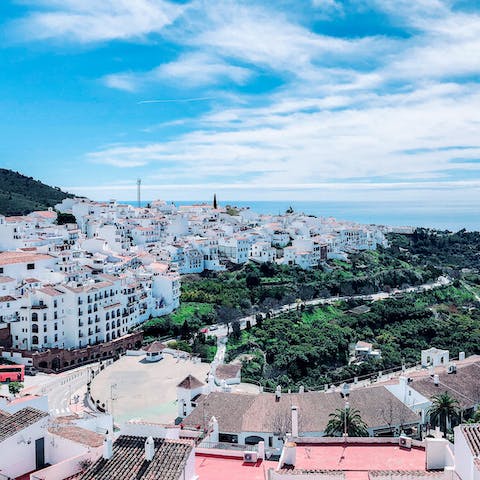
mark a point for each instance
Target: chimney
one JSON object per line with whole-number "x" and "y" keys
{"x": 149, "y": 449}
{"x": 107, "y": 448}
{"x": 461, "y": 356}
{"x": 289, "y": 455}
{"x": 294, "y": 421}
{"x": 278, "y": 393}
{"x": 301, "y": 389}
{"x": 436, "y": 380}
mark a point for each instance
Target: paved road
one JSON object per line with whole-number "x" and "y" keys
{"x": 60, "y": 388}
{"x": 220, "y": 330}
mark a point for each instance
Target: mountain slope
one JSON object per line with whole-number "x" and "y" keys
{"x": 20, "y": 195}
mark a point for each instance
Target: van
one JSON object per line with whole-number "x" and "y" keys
{"x": 30, "y": 370}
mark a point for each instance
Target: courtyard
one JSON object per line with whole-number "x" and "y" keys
{"x": 144, "y": 390}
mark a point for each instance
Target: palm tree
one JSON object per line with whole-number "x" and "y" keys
{"x": 347, "y": 419}
{"x": 444, "y": 409}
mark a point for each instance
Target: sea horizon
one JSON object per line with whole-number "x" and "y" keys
{"x": 453, "y": 217}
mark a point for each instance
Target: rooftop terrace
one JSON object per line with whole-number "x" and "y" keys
{"x": 355, "y": 460}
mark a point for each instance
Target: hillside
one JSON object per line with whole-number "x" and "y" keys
{"x": 20, "y": 195}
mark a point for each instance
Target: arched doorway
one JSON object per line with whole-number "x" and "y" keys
{"x": 56, "y": 364}
{"x": 253, "y": 440}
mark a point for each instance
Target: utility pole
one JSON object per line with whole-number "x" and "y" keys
{"x": 139, "y": 182}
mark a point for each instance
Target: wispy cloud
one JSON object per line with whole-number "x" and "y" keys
{"x": 331, "y": 108}
{"x": 190, "y": 70}
{"x": 89, "y": 21}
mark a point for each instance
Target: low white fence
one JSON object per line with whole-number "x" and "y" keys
{"x": 62, "y": 470}
{"x": 310, "y": 474}
{"x": 354, "y": 441}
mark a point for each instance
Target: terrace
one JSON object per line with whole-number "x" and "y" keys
{"x": 354, "y": 460}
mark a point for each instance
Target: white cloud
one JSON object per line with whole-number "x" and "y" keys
{"x": 190, "y": 70}
{"x": 88, "y": 21}
{"x": 328, "y": 6}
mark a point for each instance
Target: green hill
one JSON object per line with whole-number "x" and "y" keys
{"x": 20, "y": 195}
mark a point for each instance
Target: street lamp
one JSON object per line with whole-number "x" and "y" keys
{"x": 112, "y": 398}
{"x": 345, "y": 426}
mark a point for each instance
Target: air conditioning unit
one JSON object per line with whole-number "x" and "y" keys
{"x": 250, "y": 457}
{"x": 405, "y": 442}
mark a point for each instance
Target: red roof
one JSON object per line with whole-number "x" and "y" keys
{"x": 356, "y": 460}
{"x": 9, "y": 258}
{"x": 190, "y": 383}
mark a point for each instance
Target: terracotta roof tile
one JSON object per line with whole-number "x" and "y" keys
{"x": 462, "y": 385}
{"x": 472, "y": 437}
{"x": 190, "y": 383}
{"x": 262, "y": 413}
{"x": 226, "y": 371}
{"x": 18, "y": 421}
{"x": 9, "y": 258}
{"x": 156, "y": 347}
{"x": 128, "y": 460}
{"x": 78, "y": 435}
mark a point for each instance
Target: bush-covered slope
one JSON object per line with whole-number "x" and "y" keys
{"x": 20, "y": 195}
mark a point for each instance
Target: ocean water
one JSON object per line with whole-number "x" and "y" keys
{"x": 452, "y": 217}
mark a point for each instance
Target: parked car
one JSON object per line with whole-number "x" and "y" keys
{"x": 213, "y": 327}
{"x": 30, "y": 370}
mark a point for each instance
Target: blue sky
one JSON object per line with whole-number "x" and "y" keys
{"x": 299, "y": 99}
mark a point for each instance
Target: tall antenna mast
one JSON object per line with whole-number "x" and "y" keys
{"x": 139, "y": 182}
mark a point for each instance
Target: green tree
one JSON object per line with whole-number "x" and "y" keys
{"x": 444, "y": 411}
{"x": 347, "y": 419}
{"x": 15, "y": 387}
{"x": 64, "y": 218}
{"x": 475, "y": 418}
{"x": 185, "y": 331}
{"x": 236, "y": 329}
{"x": 252, "y": 279}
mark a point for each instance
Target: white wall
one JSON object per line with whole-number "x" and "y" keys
{"x": 40, "y": 403}
{"x": 463, "y": 456}
{"x": 438, "y": 454}
{"x": 58, "y": 449}
{"x": 17, "y": 455}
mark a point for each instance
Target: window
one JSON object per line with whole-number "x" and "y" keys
{"x": 44, "y": 329}
{"x": 1, "y": 269}
{"x": 30, "y": 266}
{"x": 35, "y": 328}
{"x": 45, "y": 339}
{"x": 56, "y": 337}
{"x": 34, "y": 340}
{"x": 55, "y": 326}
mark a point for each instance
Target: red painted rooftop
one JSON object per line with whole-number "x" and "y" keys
{"x": 355, "y": 460}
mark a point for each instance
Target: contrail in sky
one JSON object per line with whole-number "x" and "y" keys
{"x": 173, "y": 100}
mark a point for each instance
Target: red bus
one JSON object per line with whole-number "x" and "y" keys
{"x": 12, "y": 373}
